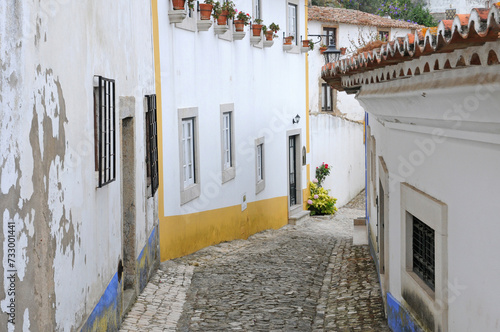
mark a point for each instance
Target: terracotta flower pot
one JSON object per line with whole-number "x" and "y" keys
{"x": 178, "y": 4}
{"x": 288, "y": 40}
{"x": 222, "y": 19}
{"x": 269, "y": 35}
{"x": 343, "y": 50}
{"x": 305, "y": 43}
{"x": 205, "y": 11}
{"x": 256, "y": 28}
{"x": 239, "y": 25}
{"x": 322, "y": 49}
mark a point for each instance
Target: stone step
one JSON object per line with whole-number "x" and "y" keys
{"x": 298, "y": 216}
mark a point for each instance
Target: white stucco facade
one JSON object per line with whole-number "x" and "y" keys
{"x": 68, "y": 232}
{"x": 433, "y": 147}
{"x": 263, "y": 88}
{"x": 462, "y": 6}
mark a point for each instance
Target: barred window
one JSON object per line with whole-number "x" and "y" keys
{"x": 152, "y": 144}
{"x": 104, "y": 130}
{"x": 423, "y": 252}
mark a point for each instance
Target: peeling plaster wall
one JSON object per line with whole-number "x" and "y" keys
{"x": 68, "y": 232}
{"x": 462, "y": 6}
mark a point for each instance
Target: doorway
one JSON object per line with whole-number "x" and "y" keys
{"x": 128, "y": 202}
{"x": 294, "y": 168}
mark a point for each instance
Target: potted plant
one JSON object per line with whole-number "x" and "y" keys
{"x": 178, "y": 4}
{"x": 257, "y": 27}
{"x": 229, "y": 8}
{"x": 271, "y": 33}
{"x": 206, "y": 9}
{"x": 242, "y": 19}
{"x": 288, "y": 40}
{"x": 322, "y": 48}
{"x": 218, "y": 14}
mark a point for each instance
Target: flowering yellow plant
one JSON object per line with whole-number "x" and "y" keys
{"x": 320, "y": 203}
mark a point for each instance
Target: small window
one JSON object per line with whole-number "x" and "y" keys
{"x": 188, "y": 150}
{"x": 189, "y": 165}
{"x": 257, "y": 12}
{"x": 331, "y": 36}
{"x": 151, "y": 144}
{"x": 260, "y": 171}
{"x": 292, "y": 21}
{"x": 327, "y": 98}
{"x": 259, "y": 165}
{"x": 423, "y": 252}
{"x": 104, "y": 130}
{"x": 227, "y": 142}
{"x": 226, "y": 138}
{"x": 384, "y": 35}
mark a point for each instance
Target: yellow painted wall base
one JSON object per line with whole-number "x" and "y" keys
{"x": 185, "y": 234}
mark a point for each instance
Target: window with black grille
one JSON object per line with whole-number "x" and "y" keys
{"x": 152, "y": 144}
{"x": 104, "y": 130}
{"x": 423, "y": 252}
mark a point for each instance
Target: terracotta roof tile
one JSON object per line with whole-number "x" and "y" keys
{"x": 475, "y": 29}
{"x": 355, "y": 17}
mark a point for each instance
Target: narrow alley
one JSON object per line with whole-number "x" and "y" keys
{"x": 305, "y": 277}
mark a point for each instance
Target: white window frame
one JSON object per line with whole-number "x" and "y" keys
{"x": 293, "y": 31}
{"x": 189, "y": 187}
{"x": 188, "y": 162}
{"x": 292, "y": 25}
{"x": 256, "y": 9}
{"x": 421, "y": 300}
{"x": 228, "y": 160}
{"x": 260, "y": 174}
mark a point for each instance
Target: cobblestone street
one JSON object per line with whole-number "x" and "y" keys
{"x": 304, "y": 277}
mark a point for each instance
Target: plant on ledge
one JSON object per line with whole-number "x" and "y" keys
{"x": 190, "y": 4}
{"x": 320, "y": 203}
{"x": 274, "y": 27}
{"x": 230, "y": 8}
{"x": 244, "y": 17}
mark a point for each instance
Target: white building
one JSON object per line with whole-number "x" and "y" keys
{"x": 77, "y": 242}
{"x": 232, "y": 159}
{"x": 433, "y": 149}
{"x": 438, "y": 8}
{"x": 337, "y": 119}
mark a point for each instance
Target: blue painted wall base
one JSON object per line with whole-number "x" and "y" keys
{"x": 399, "y": 318}
{"x": 107, "y": 314}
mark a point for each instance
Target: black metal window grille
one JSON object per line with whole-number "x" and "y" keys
{"x": 104, "y": 130}
{"x": 423, "y": 252}
{"x": 152, "y": 143}
{"x": 327, "y": 98}
{"x": 330, "y": 36}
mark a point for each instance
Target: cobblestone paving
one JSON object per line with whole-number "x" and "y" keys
{"x": 306, "y": 277}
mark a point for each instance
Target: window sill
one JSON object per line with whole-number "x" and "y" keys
{"x": 190, "y": 193}
{"x": 260, "y": 186}
{"x": 228, "y": 174}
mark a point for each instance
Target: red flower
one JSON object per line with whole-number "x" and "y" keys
{"x": 316, "y": 167}
{"x": 326, "y": 165}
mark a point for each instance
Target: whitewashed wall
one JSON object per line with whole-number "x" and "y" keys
{"x": 338, "y": 143}
{"x": 457, "y": 167}
{"x": 267, "y": 87}
{"x": 68, "y": 232}
{"x": 462, "y": 6}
